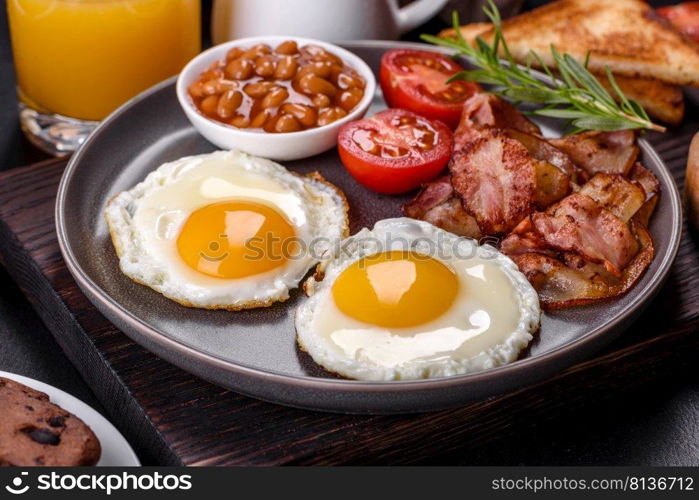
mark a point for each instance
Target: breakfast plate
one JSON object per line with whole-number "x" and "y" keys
{"x": 116, "y": 451}
{"x": 254, "y": 352}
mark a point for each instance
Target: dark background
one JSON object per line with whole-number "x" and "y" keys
{"x": 657, "y": 426}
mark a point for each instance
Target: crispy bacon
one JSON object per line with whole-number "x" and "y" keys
{"x": 496, "y": 179}
{"x": 645, "y": 178}
{"x": 595, "y": 152}
{"x": 524, "y": 239}
{"x": 484, "y": 111}
{"x": 578, "y": 282}
{"x": 616, "y": 194}
{"x": 578, "y": 224}
{"x": 578, "y": 248}
{"x": 543, "y": 150}
{"x": 431, "y": 195}
{"x": 552, "y": 184}
{"x": 648, "y": 181}
{"x": 437, "y": 204}
{"x": 498, "y": 193}
{"x": 558, "y": 285}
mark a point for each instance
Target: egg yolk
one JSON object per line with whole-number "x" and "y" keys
{"x": 395, "y": 289}
{"x": 235, "y": 239}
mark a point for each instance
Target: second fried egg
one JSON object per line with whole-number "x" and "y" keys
{"x": 407, "y": 300}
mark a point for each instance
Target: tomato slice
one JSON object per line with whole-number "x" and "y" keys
{"x": 416, "y": 80}
{"x": 395, "y": 150}
{"x": 685, "y": 17}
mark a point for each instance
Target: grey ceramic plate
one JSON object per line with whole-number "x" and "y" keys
{"x": 254, "y": 352}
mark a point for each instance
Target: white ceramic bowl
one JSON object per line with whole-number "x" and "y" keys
{"x": 282, "y": 146}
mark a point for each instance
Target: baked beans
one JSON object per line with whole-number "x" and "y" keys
{"x": 283, "y": 89}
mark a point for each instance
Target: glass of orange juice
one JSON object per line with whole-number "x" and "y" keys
{"x": 78, "y": 60}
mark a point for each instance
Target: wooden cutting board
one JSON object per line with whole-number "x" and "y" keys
{"x": 172, "y": 417}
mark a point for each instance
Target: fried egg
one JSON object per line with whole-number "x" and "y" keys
{"x": 407, "y": 300}
{"x": 224, "y": 230}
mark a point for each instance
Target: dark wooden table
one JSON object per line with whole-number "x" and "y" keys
{"x": 635, "y": 404}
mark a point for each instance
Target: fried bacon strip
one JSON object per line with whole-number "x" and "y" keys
{"x": 437, "y": 204}
{"x": 496, "y": 179}
{"x": 606, "y": 152}
{"x": 554, "y": 170}
{"x": 501, "y": 171}
{"x": 578, "y": 252}
{"x": 524, "y": 239}
{"x": 552, "y": 184}
{"x": 650, "y": 184}
{"x": 578, "y": 224}
{"x": 575, "y": 249}
{"x": 543, "y": 150}
{"x": 486, "y": 111}
{"x": 616, "y": 194}
{"x": 498, "y": 192}
{"x": 578, "y": 282}
{"x": 490, "y": 197}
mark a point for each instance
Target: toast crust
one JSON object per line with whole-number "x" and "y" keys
{"x": 661, "y": 100}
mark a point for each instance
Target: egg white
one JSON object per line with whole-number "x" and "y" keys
{"x": 459, "y": 341}
{"x": 144, "y": 223}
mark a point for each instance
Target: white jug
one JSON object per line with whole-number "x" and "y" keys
{"x": 330, "y": 20}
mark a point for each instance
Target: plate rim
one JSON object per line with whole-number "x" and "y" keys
{"x": 52, "y": 390}
{"x": 564, "y": 352}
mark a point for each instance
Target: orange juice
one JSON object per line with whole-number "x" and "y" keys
{"x": 83, "y": 58}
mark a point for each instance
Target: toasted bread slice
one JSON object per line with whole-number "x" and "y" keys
{"x": 662, "y": 101}
{"x": 468, "y": 31}
{"x": 626, "y": 35}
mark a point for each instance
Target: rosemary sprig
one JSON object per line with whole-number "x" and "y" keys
{"x": 575, "y": 95}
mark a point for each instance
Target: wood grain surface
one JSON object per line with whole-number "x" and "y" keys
{"x": 173, "y": 417}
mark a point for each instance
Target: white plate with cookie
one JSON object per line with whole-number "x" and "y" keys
{"x": 115, "y": 450}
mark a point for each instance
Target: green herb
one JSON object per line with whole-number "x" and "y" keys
{"x": 576, "y": 95}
